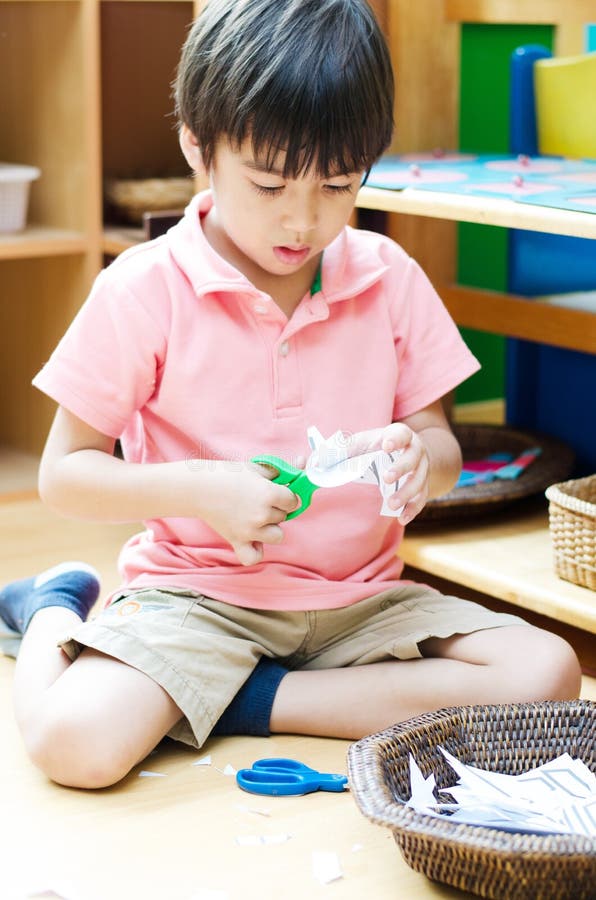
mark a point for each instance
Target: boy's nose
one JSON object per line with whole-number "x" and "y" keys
{"x": 301, "y": 218}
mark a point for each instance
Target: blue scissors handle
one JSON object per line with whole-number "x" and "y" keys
{"x": 287, "y": 777}
{"x": 295, "y": 479}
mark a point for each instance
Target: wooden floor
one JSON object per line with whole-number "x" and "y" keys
{"x": 182, "y": 836}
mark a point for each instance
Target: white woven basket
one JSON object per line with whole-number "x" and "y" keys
{"x": 15, "y": 182}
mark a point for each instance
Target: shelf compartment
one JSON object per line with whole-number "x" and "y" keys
{"x": 18, "y": 474}
{"x": 140, "y": 48}
{"x": 40, "y": 297}
{"x": 46, "y": 66}
{"x": 116, "y": 239}
{"x": 521, "y": 317}
{"x": 40, "y": 241}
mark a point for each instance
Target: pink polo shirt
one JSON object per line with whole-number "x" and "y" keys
{"x": 177, "y": 354}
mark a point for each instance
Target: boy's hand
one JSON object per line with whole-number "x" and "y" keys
{"x": 248, "y": 509}
{"x": 412, "y": 461}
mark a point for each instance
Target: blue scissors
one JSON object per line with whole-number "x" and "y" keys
{"x": 295, "y": 479}
{"x": 280, "y": 777}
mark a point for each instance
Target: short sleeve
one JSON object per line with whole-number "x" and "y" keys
{"x": 432, "y": 356}
{"x": 107, "y": 364}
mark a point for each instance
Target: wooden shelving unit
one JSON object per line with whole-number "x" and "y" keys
{"x": 509, "y": 557}
{"x": 499, "y": 313}
{"x": 84, "y": 93}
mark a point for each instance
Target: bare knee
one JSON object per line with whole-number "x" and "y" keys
{"x": 551, "y": 669}
{"x": 74, "y": 752}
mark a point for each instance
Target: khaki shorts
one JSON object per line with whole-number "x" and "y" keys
{"x": 201, "y": 651}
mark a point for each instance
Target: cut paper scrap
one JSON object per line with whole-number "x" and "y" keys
{"x": 330, "y": 465}
{"x": 259, "y": 840}
{"x": 253, "y": 810}
{"x": 325, "y": 866}
{"x": 145, "y": 773}
{"x": 203, "y": 761}
{"x": 558, "y": 797}
{"x": 227, "y": 770}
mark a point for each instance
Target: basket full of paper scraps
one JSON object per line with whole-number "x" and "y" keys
{"x": 496, "y": 800}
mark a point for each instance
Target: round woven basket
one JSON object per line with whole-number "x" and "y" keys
{"x": 508, "y": 738}
{"x": 572, "y": 519}
{"x": 131, "y": 197}
{"x": 478, "y": 441}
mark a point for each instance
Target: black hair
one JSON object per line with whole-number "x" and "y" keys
{"x": 311, "y": 78}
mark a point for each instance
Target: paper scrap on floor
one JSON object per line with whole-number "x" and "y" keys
{"x": 326, "y": 866}
{"x": 558, "y": 797}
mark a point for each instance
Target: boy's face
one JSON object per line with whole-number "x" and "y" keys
{"x": 278, "y": 224}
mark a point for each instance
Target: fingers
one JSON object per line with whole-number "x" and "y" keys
{"x": 411, "y": 494}
{"x": 396, "y": 437}
{"x": 287, "y": 501}
{"x": 363, "y": 442}
{"x": 248, "y": 554}
{"x": 281, "y": 496}
{"x": 251, "y": 552}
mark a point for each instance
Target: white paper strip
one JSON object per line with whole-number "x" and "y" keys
{"x": 204, "y": 761}
{"x": 330, "y": 465}
{"x": 558, "y": 797}
{"x": 325, "y": 866}
{"x": 258, "y": 840}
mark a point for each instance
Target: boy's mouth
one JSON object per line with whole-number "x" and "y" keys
{"x": 291, "y": 256}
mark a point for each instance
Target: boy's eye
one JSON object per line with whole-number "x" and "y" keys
{"x": 268, "y": 190}
{"x": 339, "y": 188}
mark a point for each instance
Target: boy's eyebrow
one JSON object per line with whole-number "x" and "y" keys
{"x": 257, "y": 166}
{"x": 262, "y": 167}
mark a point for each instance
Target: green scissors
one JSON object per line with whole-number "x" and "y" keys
{"x": 297, "y": 480}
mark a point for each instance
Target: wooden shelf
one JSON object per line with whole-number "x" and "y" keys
{"x": 480, "y": 210}
{"x": 522, "y": 12}
{"x": 116, "y": 238}
{"x": 509, "y": 558}
{"x": 521, "y": 317}
{"x": 38, "y": 241}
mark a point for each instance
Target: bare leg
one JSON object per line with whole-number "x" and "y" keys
{"x": 85, "y": 724}
{"x": 498, "y": 665}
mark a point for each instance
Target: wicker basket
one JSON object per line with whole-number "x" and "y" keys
{"x": 510, "y": 738}
{"x": 572, "y": 515}
{"x": 131, "y": 197}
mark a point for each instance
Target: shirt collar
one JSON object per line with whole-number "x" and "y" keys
{"x": 347, "y": 267}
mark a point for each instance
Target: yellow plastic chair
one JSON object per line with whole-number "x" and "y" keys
{"x": 565, "y": 105}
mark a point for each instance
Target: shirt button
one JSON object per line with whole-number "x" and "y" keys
{"x": 284, "y": 349}
{"x": 260, "y": 308}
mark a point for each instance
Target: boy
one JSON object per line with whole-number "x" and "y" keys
{"x": 261, "y": 313}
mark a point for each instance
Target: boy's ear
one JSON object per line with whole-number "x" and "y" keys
{"x": 191, "y": 150}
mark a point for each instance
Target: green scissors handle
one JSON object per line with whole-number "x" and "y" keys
{"x": 294, "y": 478}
